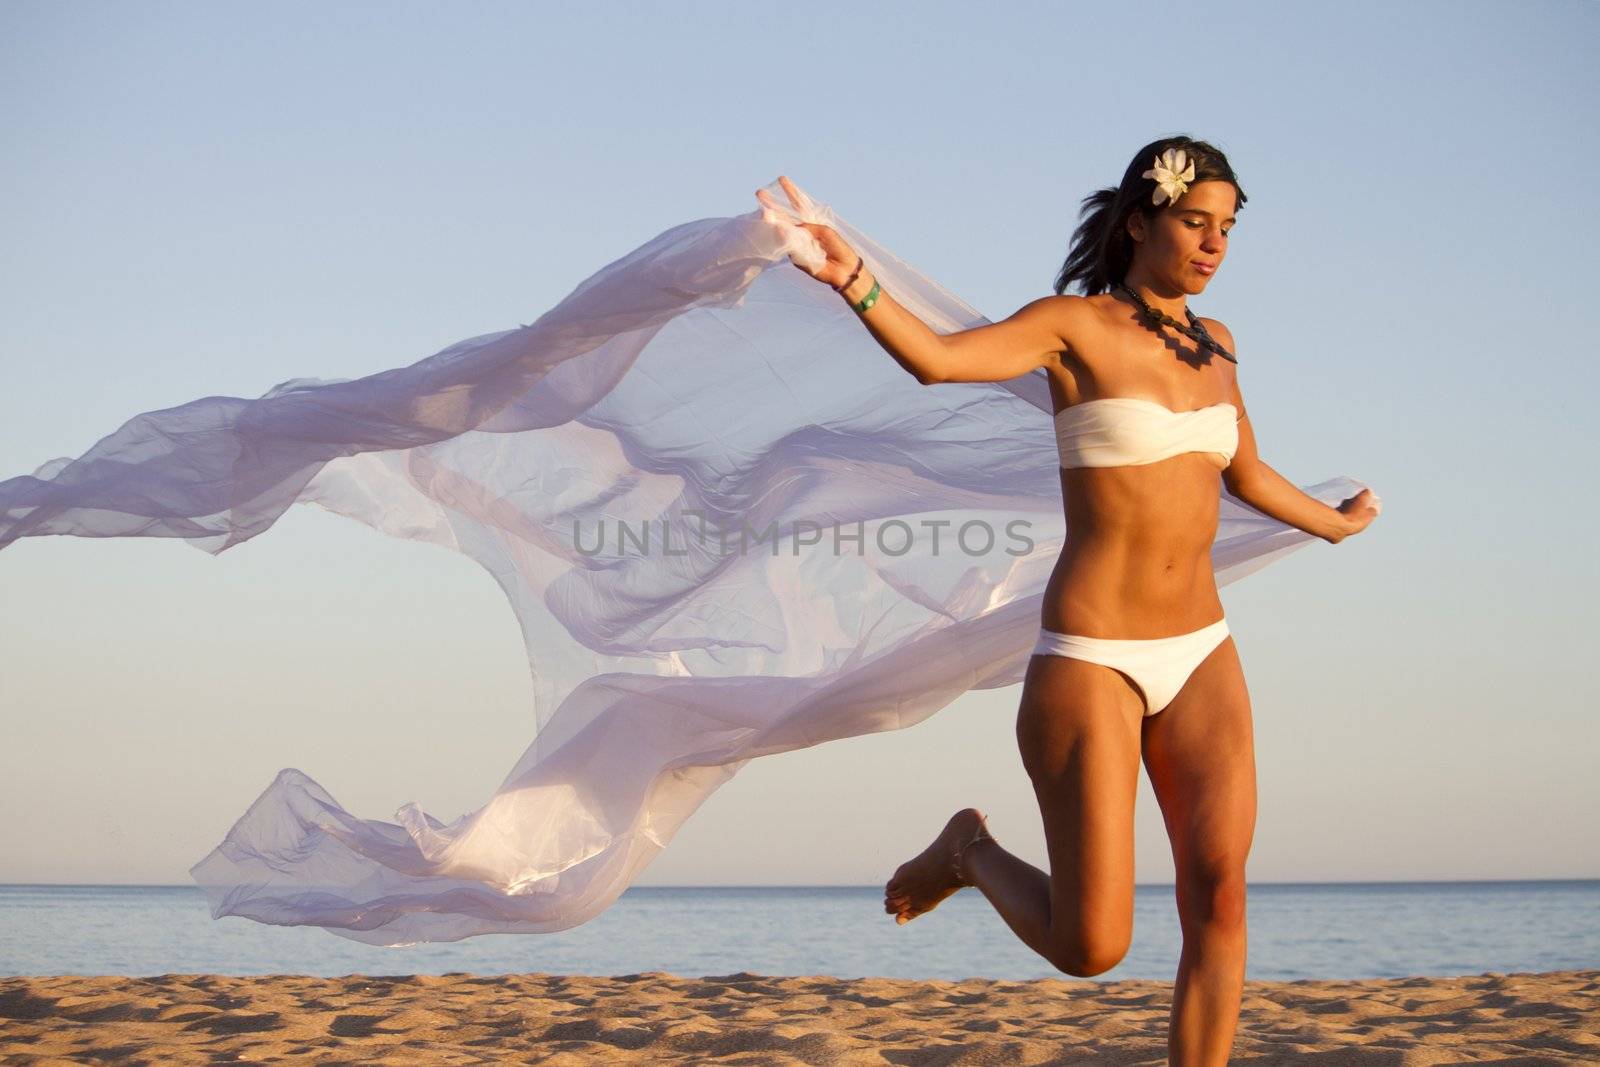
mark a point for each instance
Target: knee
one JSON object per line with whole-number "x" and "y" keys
{"x": 1214, "y": 898}
{"x": 1089, "y": 957}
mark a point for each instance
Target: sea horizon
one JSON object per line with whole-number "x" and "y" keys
{"x": 867, "y": 885}
{"x": 1298, "y": 930}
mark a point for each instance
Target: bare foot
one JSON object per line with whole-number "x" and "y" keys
{"x": 920, "y": 884}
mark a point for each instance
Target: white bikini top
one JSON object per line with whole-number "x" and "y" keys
{"x": 1126, "y": 431}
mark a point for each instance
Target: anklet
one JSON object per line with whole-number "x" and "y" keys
{"x": 981, "y": 835}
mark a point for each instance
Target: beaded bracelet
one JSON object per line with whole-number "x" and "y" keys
{"x": 853, "y": 275}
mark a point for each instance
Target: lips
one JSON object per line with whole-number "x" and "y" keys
{"x": 1204, "y": 268}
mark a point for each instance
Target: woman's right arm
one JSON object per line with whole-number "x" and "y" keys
{"x": 1034, "y": 336}
{"x": 1030, "y": 338}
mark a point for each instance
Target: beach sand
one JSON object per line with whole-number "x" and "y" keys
{"x": 755, "y": 1019}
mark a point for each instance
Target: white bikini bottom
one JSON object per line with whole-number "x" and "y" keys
{"x": 1157, "y": 666}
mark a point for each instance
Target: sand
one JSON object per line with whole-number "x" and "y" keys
{"x": 1505, "y": 1019}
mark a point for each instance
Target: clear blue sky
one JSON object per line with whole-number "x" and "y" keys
{"x": 204, "y": 199}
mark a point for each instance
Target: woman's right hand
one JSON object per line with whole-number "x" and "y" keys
{"x": 841, "y": 258}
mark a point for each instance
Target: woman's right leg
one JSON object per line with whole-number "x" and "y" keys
{"x": 1078, "y": 728}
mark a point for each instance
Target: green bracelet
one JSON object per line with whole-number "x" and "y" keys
{"x": 870, "y": 299}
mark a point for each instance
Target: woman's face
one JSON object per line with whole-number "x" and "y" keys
{"x": 1174, "y": 249}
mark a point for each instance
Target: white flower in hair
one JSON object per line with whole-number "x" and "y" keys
{"x": 1173, "y": 171}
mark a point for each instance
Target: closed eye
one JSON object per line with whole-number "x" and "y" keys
{"x": 1191, "y": 223}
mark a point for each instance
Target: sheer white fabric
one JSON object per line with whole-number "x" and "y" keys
{"x": 699, "y": 384}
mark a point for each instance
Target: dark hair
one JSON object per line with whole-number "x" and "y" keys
{"x": 1101, "y": 248}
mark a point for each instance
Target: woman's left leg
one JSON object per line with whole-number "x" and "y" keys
{"x": 1200, "y": 754}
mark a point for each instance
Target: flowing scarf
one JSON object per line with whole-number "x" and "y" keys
{"x": 728, "y": 524}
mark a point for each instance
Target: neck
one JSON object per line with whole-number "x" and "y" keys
{"x": 1171, "y": 301}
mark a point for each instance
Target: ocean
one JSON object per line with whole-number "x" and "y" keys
{"x": 1331, "y": 930}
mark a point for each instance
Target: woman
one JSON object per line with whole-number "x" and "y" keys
{"x": 1134, "y": 658}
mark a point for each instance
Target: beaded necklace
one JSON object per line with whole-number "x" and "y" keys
{"x": 1195, "y": 330}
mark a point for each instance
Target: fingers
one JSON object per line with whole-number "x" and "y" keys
{"x": 806, "y": 251}
{"x": 803, "y": 204}
{"x": 796, "y": 197}
{"x": 772, "y": 211}
{"x": 766, "y": 198}
{"x": 777, "y": 213}
{"x": 1373, "y": 500}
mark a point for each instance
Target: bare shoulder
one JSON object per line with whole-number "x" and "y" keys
{"x": 1073, "y": 317}
{"x": 1100, "y": 310}
{"x": 1220, "y": 332}
{"x": 1072, "y": 307}
{"x": 1065, "y": 317}
{"x": 1058, "y": 307}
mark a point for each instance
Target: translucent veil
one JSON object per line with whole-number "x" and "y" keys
{"x": 728, "y": 523}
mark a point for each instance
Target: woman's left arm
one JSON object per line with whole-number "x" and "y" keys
{"x": 1250, "y": 479}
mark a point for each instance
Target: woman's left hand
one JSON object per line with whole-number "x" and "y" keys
{"x": 1360, "y": 510}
